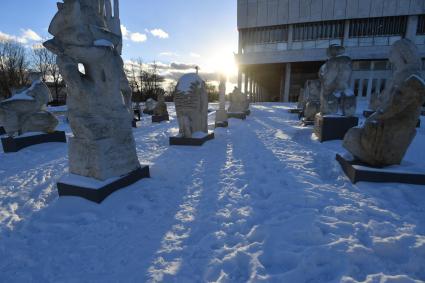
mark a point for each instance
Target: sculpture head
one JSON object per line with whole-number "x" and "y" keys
{"x": 335, "y": 50}
{"x": 404, "y": 55}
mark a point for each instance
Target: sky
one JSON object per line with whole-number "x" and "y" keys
{"x": 183, "y": 32}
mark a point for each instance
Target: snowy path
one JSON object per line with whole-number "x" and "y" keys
{"x": 263, "y": 202}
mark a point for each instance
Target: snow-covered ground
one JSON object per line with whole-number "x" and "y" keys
{"x": 263, "y": 202}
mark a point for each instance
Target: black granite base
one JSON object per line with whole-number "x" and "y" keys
{"x": 191, "y": 141}
{"x": 295, "y": 111}
{"x": 305, "y": 122}
{"x": 2, "y": 131}
{"x": 368, "y": 113}
{"x": 100, "y": 194}
{"x": 329, "y": 128}
{"x": 237, "y": 115}
{"x": 224, "y": 124}
{"x": 15, "y": 144}
{"x": 159, "y": 119}
{"x": 359, "y": 172}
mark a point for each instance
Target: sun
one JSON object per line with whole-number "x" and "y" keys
{"x": 223, "y": 62}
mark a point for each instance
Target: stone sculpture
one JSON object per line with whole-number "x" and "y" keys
{"x": 150, "y": 105}
{"x": 387, "y": 134}
{"x": 221, "y": 114}
{"x": 191, "y": 102}
{"x": 85, "y": 32}
{"x": 336, "y": 96}
{"x": 312, "y": 91}
{"x": 25, "y": 111}
{"x": 238, "y": 102}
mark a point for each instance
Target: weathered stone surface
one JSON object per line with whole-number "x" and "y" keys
{"x": 150, "y": 105}
{"x": 24, "y": 112}
{"x": 311, "y": 99}
{"x": 221, "y": 114}
{"x": 103, "y": 144}
{"x": 238, "y": 102}
{"x": 336, "y": 96}
{"x": 387, "y": 134}
{"x": 161, "y": 107}
{"x": 191, "y": 102}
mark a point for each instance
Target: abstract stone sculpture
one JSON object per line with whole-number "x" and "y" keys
{"x": 150, "y": 105}
{"x": 191, "y": 102}
{"x": 24, "y": 112}
{"x": 238, "y": 102}
{"x": 335, "y": 75}
{"x": 86, "y": 33}
{"x": 311, "y": 99}
{"x": 387, "y": 134}
{"x": 221, "y": 114}
{"x": 161, "y": 107}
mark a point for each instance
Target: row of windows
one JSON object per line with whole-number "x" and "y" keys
{"x": 388, "y": 26}
{"x": 372, "y": 27}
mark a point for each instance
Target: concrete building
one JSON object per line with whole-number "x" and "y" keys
{"x": 282, "y": 43}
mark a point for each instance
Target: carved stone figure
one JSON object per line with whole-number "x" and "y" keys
{"x": 387, "y": 134}
{"x": 311, "y": 99}
{"x": 25, "y": 111}
{"x": 191, "y": 102}
{"x": 160, "y": 107}
{"x": 335, "y": 75}
{"x": 221, "y": 114}
{"x": 85, "y": 32}
{"x": 301, "y": 99}
{"x": 238, "y": 102}
{"x": 150, "y": 105}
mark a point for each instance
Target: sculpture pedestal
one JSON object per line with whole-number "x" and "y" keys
{"x": 295, "y": 111}
{"x": 358, "y": 172}
{"x": 329, "y": 127}
{"x": 194, "y": 141}
{"x": 222, "y": 124}
{"x": 95, "y": 190}
{"x": 15, "y": 144}
{"x": 159, "y": 119}
{"x": 237, "y": 115}
{"x": 2, "y": 131}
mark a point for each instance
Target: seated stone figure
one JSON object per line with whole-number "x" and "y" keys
{"x": 335, "y": 75}
{"x": 191, "y": 102}
{"x": 160, "y": 108}
{"x": 24, "y": 112}
{"x": 238, "y": 102}
{"x": 311, "y": 99}
{"x": 387, "y": 134}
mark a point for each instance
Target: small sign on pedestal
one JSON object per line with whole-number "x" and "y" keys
{"x": 15, "y": 144}
{"x": 194, "y": 141}
{"x": 330, "y": 127}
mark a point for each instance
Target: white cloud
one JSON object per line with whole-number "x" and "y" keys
{"x": 160, "y": 33}
{"x": 125, "y": 32}
{"x": 195, "y": 55}
{"x": 30, "y": 35}
{"x": 138, "y": 37}
{"x": 26, "y": 36}
{"x": 168, "y": 54}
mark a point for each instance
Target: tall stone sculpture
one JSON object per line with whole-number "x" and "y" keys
{"x": 25, "y": 112}
{"x": 337, "y": 100}
{"x": 336, "y": 95}
{"x": 387, "y": 134}
{"x": 239, "y": 105}
{"x": 311, "y": 105}
{"x": 221, "y": 114}
{"x": 191, "y": 102}
{"x": 160, "y": 112}
{"x": 87, "y": 34}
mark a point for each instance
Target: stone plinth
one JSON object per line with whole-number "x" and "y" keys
{"x": 15, "y": 144}
{"x": 98, "y": 191}
{"x": 357, "y": 171}
{"x": 237, "y": 115}
{"x": 159, "y": 119}
{"x": 329, "y": 127}
{"x": 194, "y": 141}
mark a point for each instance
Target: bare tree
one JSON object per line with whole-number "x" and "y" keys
{"x": 13, "y": 67}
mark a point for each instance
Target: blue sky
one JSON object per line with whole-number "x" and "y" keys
{"x": 201, "y": 32}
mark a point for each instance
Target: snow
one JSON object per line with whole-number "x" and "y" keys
{"x": 262, "y": 202}
{"x": 103, "y": 43}
{"x": 89, "y": 183}
{"x": 20, "y": 96}
{"x": 186, "y": 81}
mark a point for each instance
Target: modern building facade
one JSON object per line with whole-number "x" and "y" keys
{"x": 282, "y": 43}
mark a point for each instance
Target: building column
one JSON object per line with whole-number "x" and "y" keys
{"x": 287, "y": 82}
{"x": 346, "y": 32}
{"x": 246, "y": 85}
{"x": 250, "y": 88}
{"x": 282, "y": 86}
{"x": 370, "y": 80}
{"x": 240, "y": 80}
{"x": 290, "y": 36}
{"x": 412, "y": 26}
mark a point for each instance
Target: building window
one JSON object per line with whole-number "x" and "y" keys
{"x": 318, "y": 30}
{"x": 265, "y": 35}
{"x": 421, "y": 25}
{"x": 372, "y": 27}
